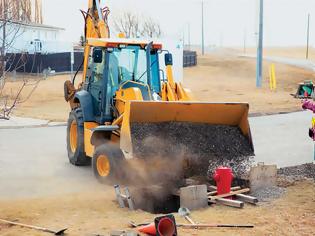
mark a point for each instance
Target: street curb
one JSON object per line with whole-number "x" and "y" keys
{"x": 260, "y": 114}
{"x": 48, "y": 125}
{"x": 62, "y": 124}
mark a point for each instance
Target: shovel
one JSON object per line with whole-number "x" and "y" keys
{"x": 185, "y": 212}
{"x": 60, "y": 232}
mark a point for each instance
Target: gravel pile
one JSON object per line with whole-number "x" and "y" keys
{"x": 268, "y": 194}
{"x": 299, "y": 172}
{"x": 205, "y": 146}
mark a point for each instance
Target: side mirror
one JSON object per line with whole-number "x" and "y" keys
{"x": 97, "y": 55}
{"x": 168, "y": 59}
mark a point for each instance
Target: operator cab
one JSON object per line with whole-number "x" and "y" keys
{"x": 115, "y": 66}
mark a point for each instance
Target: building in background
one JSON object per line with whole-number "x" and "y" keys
{"x": 35, "y": 38}
{"x": 25, "y": 30}
{"x": 30, "y": 45}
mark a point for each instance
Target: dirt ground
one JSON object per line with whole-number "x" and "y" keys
{"x": 289, "y": 52}
{"x": 217, "y": 78}
{"x": 220, "y": 78}
{"x": 97, "y": 213}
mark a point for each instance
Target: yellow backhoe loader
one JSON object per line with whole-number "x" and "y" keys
{"x": 122, "y": 86}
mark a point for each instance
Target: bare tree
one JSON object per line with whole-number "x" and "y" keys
{"x": 127, "y": 23}
{"x": 130, "y": 24}
{"x": 151, "y": 28}
{"x": 14, "y": 14}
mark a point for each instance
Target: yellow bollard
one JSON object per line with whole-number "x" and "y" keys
{"x": 272, "y": 77}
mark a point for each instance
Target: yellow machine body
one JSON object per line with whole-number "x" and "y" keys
{"x": 175, "y": 103}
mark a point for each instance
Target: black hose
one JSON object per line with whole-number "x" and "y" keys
{"x": 76, "y": 73}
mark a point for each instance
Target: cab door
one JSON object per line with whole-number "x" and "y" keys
{"x": 96, "y": 81}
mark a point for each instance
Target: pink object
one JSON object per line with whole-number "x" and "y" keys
{"x": 223, "y": 177}
{"x": 308, "y": 105}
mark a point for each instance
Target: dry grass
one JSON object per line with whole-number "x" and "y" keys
{"x": 217, "y": 78}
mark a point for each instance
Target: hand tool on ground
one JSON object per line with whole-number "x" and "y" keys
{"x": 134, "y": 225}
{"x": 214, "y": 225}
{"x": 185, "y": 212}
{"x": 60, "y": 232}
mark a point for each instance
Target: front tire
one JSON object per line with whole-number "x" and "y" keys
{"x": 107, "y": 163}
{"x": 75, "y": 139}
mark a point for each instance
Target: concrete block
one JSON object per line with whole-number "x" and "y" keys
{"x": 194, "y": 197}
{"x": 263, "y": 176}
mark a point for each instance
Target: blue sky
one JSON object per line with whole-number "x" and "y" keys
{"x": 227, "y": 22}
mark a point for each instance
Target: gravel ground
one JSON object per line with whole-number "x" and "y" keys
{"x": 287, "y": 176}
{"x": 301, "y": 171}
{"x": 268, "y": 194}
{"x": 204, "y": 146}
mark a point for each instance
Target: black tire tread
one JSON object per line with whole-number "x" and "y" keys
{"x": 116, "y": 159}
{"x": 78, "y": 158}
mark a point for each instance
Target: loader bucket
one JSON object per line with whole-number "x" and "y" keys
{"x": 229, "y": 114}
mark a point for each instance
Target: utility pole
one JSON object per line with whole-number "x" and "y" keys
{"x": 259, "y": 66}
{"x": 202, "y": 30}
{"x": 184, "y": 38}
{"x": 245, "y": 34}
{"x": 308, "y": 35}
{"x": 189, "y": 42}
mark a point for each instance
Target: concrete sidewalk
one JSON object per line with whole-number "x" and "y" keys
{"x": 20, "y": 122}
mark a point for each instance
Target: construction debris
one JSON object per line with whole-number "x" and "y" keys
{"x": 235, "y": 192}
{"x": 124, "y": 199}
{"x": 194, "y": 197}
{"x": 262, "y": 176}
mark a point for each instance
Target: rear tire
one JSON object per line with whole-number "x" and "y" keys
{"x": 75, "y": 139}
{"x": 107, "y": 163}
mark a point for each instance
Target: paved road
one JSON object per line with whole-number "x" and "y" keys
{"x": 302, "y": 63}
{"x": 33, "y": 161}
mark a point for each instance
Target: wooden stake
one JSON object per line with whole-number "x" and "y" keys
{"x": 216, "y": 192}
{"x": 245, "y": 190}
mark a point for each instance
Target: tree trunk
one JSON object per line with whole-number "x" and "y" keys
{"x": 3, "y": 51}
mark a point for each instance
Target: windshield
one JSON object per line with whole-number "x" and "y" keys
{"x": 130, "y": 63}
